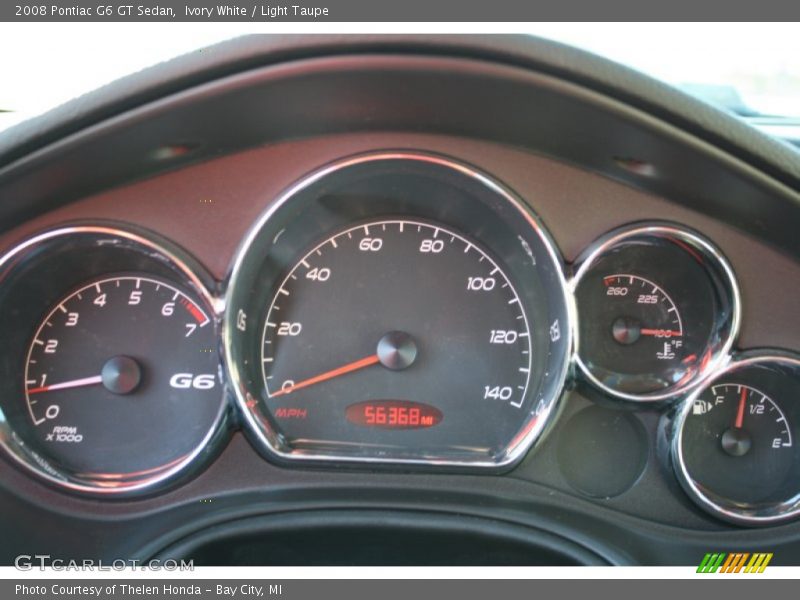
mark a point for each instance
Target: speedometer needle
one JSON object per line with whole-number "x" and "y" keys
{"x": 67, "y": 384}
{"x": 343, "y": 370}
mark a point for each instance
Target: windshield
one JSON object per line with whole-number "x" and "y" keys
{"x": 751, "y": 70}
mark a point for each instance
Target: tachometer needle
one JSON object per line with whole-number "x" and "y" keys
{"x": 740, "y": 412}
{"x": 343, "y": 370}
{"x": 67, "y": 384}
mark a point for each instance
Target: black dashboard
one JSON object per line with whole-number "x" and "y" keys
{"x": 398, "y": 300}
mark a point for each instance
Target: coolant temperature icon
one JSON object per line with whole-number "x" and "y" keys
{"x": 668, "y": 352}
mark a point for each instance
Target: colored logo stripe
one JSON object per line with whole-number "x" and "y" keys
{"x": 758, "y": 563}
{"x": 734, "y": 562}
{"x": 711, "y": 563}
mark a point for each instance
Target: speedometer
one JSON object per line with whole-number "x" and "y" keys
{"x": 396, "y": 308}
{"x": 360, "y": 317}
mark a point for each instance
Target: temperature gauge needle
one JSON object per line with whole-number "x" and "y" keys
{"x": 67, "y": 384}
{"x": 628, "y": 330}
{"x": 740, "y": 412}
{"x": 661, "y": 332}
{"x": 343, "y": 370}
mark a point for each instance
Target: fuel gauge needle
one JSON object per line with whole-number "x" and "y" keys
{"x": 67, "y": 384}
{"x": 740, "y": 412}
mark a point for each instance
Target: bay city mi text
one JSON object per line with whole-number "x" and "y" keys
{"x": 169, "y": 590}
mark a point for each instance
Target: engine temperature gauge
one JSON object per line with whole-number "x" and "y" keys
{"x": 646, "y": 312}
{"x": 658, "y": 309}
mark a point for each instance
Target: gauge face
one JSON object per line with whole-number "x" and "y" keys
{"x": 121, "y": 377}
{"x": 657, "y": 311}
{"x": 398, "y": 337}
{"x": 109, "y": 371}
{"x": 396, "y": 310}
{"x": 738, "y": 442}
{"x": 736, "y": 449}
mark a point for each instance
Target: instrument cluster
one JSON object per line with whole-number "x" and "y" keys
{"x": 392, "y": 308}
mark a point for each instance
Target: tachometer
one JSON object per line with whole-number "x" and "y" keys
{"x": 116, "y": 371}
{"x": 109, "y": 374}
{"x": 428, "y": 325}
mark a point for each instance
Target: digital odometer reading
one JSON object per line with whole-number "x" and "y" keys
{"x": 393, "y": 414}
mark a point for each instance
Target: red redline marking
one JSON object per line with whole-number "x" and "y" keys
{"x": 198, "y": 314}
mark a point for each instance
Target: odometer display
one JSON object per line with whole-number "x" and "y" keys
{"x": 393, "y": 414}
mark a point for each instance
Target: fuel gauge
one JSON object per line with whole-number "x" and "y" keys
{"x": 735, "y": 447}
{"x": 658, "y": 310}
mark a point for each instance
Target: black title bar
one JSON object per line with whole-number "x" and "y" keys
{"x": 440, "y": 11}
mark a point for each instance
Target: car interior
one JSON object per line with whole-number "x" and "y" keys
{"x": 398, "y": 300}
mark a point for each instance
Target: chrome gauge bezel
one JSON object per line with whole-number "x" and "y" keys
{"x": 177, "y": 266}
{"x": 715, "y": 262}
{"x": 712, "y": 503}
{"x": 268, "y": 439}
